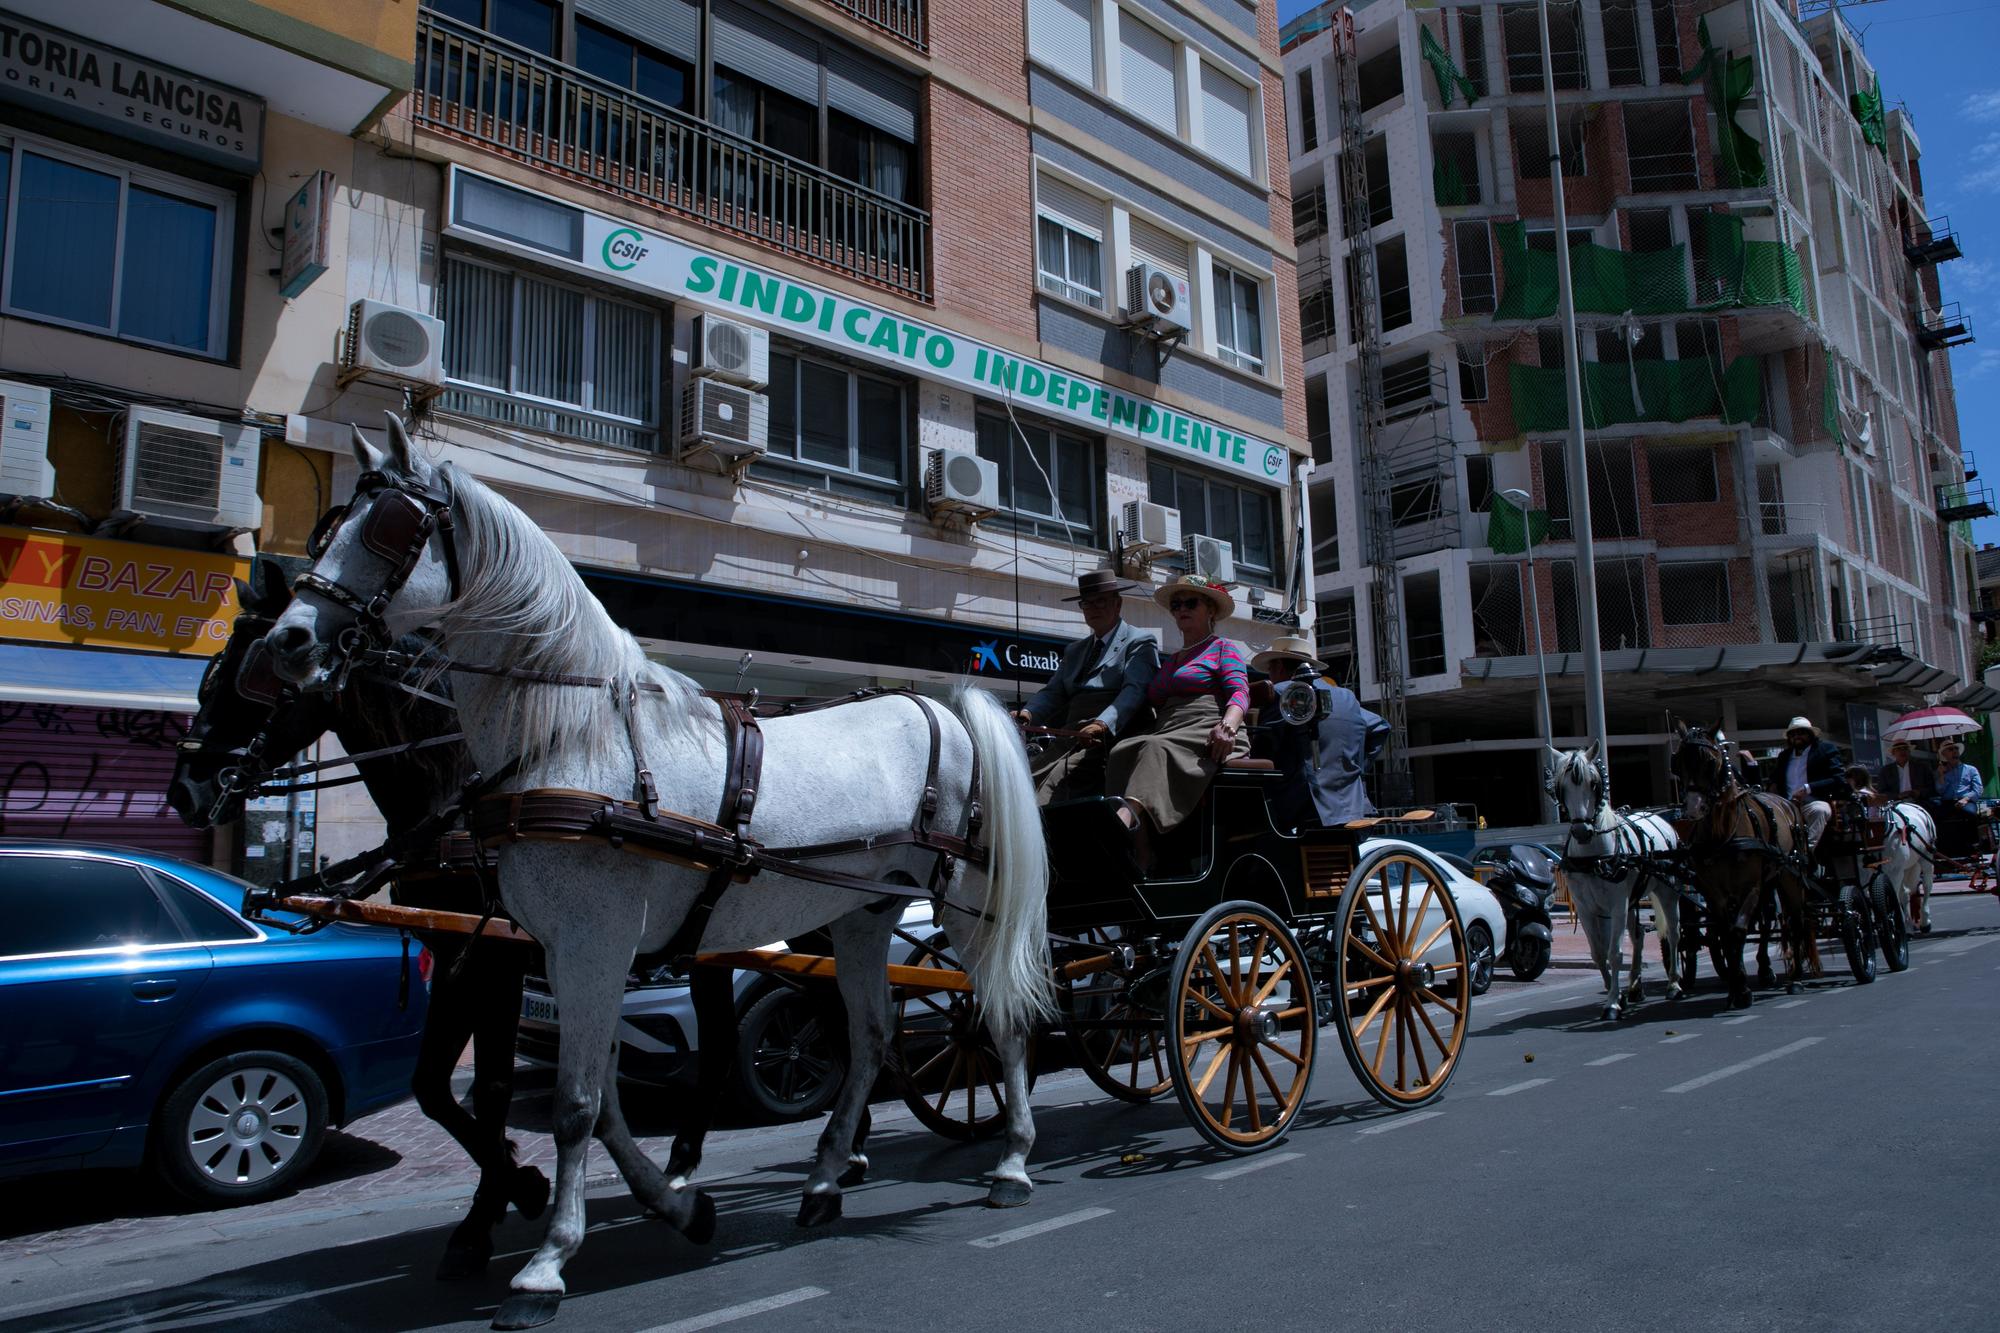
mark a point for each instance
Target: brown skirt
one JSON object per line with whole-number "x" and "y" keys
{"x": 1167, "y": 770}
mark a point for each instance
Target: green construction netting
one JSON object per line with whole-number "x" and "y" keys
{"x": 1510, "y": 529}
{"x": 1608, "y": 282}
{"x": 1829, "y": 407}
{"x": 1741, "y": 157}
{"x": 1448, "y": 75}
{"x": 1667, "y": 391}
{"x": 1749, "y": 273}
{"x": 1867, "y": 109}
{"x": 1448, "y": 182}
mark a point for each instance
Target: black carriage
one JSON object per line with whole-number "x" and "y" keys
{"x": 1212, "y": 974}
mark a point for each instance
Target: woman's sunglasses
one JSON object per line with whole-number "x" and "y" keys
{"x": 1183, "y": 603}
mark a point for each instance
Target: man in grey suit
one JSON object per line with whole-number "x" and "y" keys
{"x": 1097, "y": 691}
{"x": 1323, "y": 762}
{"x": 1903, "y": 777}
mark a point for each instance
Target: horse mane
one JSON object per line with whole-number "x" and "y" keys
{"x": 518, "y": 588}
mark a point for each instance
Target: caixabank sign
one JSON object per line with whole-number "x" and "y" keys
{"x": 634, "y": 257}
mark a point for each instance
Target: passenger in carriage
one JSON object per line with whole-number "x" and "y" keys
{"x": 1810, "y": 771}
{"x": 1324, "y": 762}
{"x": 1959, "y": 793}
{"x": 1904, "y": 777}
{"x": 1199, "y": 695}
{"x": 1098, "y": 690}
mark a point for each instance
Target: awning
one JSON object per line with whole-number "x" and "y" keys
{"x": 31, "y": 673}
{"x": 1976, "y": 699}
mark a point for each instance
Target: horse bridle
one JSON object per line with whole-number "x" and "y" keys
{"x": 1724, "y": 769}
{"x": 257, "y": 682}
{"x": 405, "y": 514}
{"x": 1600, "y": 795}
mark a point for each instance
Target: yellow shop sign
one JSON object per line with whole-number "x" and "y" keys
{"x": 83, "y": 590}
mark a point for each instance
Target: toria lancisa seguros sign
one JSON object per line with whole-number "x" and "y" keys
{"x": 76, "y": 79}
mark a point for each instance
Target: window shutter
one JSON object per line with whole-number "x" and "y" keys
{"x": 1060, "y": 36}
{"x": 674, "y": 26}
{"x": 1070, "y": 206}
{"x": 1146, "y": 66}
{"x": 1156, "y": 245}
{"x": 760, "y": 49}
{"x": 1225, "y": 117}
{"x": 871, "y": 95}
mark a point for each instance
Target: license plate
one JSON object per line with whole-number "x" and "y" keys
{"x": 538, "y": 1008}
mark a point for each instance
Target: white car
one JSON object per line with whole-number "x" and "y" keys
{"x": 1485, "y": 924}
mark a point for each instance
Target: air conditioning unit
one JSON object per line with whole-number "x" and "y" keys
{"x": 1150, "y": 527}
{"x": 388, "y": 342}
{"x": 727, "y": 349}
{"x": 1156, "y": 300}
{"x": 25, "y": 470}
{"x": 1213, "y": 560}
{"x": 726, "y": 420}
{"x": 960, "y": 483}
{"x": 189, "y": 471}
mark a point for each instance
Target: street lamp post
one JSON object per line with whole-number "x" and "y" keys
{"x": 1520, "y": 499}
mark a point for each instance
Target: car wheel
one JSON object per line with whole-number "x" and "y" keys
{"x": 240, "y": 1129}
{"x": 1479, "y": 952}
{"x": 788, "y": 1065}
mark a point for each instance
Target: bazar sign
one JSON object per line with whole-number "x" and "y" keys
{"x": 51, "y": 70}
{"x": 80, "y": 590}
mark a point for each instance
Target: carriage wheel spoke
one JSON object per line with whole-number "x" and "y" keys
{"x": 1298, "y": 1060}
{"x": 1416, "y": 1045}
{"x": 1354, "y": 942}
{"x": 1270, "y": 1079}
{"x": 1257, "y": 960}
{"x": 1441, "y": 1002}
{"x": 1208, "y": 1075}
{"x": 1250, "y": 1096}
{"x": 1396, "y": 1021}
{"x": 1270, "y": 984}
{"x": 1212, "y": 1006}
{"x": 1425, "y": 947}
{"x": 950, "y": 1080}
{"x": 1370, "y": 983}
{"x": 1416, "y": 922}
{"x": 1381, "y": 1042}
{"x": 1229, "y": 1087}
{"x": 929, "y": 1064}
{"x": 1444, "y": 1047}
{"x": 1368, "y": 905}
{"x": 1197, "y": 1038}
{"x": 1215, "y": 976}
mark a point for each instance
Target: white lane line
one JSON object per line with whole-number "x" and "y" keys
{"x": 1399, "y": 1121}
{"x": 1790, "y": 1004}
{"x": 1037, "y": 1228}
{"x": 1743, "y": 1018}
{"x": 1730, "y": 1071}
{"x": 1609, "y": 1059}
{"x": 94, "y": 1293}
{"x": 1513, "y": 1088}
{"x": 1965, "y": 944}
{"x": 1685, "y": 1036}
{"x": 731, "y": 1313}
{"x": 1255, "y": 1164}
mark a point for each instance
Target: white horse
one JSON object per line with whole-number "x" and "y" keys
{"x": 498, "y": 593}
{"x": 1909, "y": 846}
{"x": 1605, "y": 864}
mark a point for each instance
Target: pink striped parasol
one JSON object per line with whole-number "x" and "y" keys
{"x": 1929, "y": 724}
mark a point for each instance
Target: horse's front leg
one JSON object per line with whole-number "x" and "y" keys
{"x": 861, "y": 942}
{"x": 714, "y": 992}
{"x": 1667, "y": 923}
{"x": 1601, "y": 930}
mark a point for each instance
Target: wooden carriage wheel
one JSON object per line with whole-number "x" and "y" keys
{"x": 1241, "y": 1028}
{"x": 1128, "y": 1062}
{"x": 951, "y": 1077}
{"x": 1402, "y": 980}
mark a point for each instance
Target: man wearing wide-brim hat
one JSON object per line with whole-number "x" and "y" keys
{"x": 1097, "y": 691}
{"x": 1810, "y": 771}
{"x": 1324, "y": 762}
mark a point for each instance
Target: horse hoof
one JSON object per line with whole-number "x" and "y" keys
{"x": 465, "y": 1257}
{"x": 700, "y": 1228}
{"x": 1739, "y": 1002}
{"x": 1610, "y": 1013}
{"x": 1766, "y": 977}
{"x": 527, "y": 1309}
{"x": 855, "y": 1174}
{"x": 1006, "y": 1193}
{"x": 816, "y": 1210}
{"x": 530, "y": 1194}
{"x": 1793, "y": 988}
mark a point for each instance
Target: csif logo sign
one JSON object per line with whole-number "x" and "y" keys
{"x": 623, "y": 249}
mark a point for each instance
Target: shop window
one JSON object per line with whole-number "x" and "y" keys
{"x": 835, "y": 429}
{"x": 1694, "y": 592}
{"x": 1308, "y": 113}
{"x": 1471, "y": 375}
{"x": 1683, "y": 474}
{"x": 97, "y": 244}
{"x": 1049, "y": 478}
{"x": 1392, "y": 280}
{"x": 529, "y": 352}
{"x": 1423, "y": 619}
{"x": 1381, "y": 78}
{"x": 1659, "y": 142}
{"x": 1069, "y": 242}
{"x": 1478, "y": 280}
{"x": 1531, "y": 147}
{"x": 1239, "y": 318}
{"x": 1246, "y": 517}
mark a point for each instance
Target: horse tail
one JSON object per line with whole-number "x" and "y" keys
{"x": 1009, "y": 953}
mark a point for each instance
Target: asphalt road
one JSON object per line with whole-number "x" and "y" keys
{"x": 1823, "y": 1161}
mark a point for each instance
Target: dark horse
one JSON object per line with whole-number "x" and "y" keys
{"x": 1743, "y": 844}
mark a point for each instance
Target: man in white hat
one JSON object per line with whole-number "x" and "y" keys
{"x": 1323, "y": 762}
{"x": 1809, "y": 771}
{"x": 1097, "y": 691}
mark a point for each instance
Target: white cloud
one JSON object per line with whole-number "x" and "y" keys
{"x": 1983, "y": 106}
{"x": 1983, "y": 164}
{"x": 1984, "y": 363}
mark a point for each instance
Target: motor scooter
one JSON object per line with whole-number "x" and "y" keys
{"x": 1524, "y": 881}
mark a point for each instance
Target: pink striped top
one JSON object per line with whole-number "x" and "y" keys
{"x": 1213, "y": 666}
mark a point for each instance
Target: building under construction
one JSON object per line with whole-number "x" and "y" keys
{"x": 1778, "y": 494}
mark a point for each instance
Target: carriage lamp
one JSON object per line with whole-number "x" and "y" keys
{"x": 1299, "y": 703}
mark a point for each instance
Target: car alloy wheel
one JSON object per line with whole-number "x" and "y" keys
{"x": 789, "y": 1064}
{"x": 241, "y": 1128}
{"x": 1479, "y": 949}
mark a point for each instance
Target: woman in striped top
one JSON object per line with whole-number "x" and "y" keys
{"x": 1199, "y": 696}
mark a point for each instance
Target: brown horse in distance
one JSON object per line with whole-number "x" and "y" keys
{"x": 1743, "y": 843}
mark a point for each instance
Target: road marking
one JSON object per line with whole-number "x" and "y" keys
{"x": 1962, "y": 945}
{"x": 1256, "y": 1164}
{"x": 1513, "y": 1088}
{"x": 1743, "y": 1018}
{"x": 1685, "y": 1036}
{"x": 95, "y": 1293}
{"x": 1791, "y": 1004}
{"x": 1037, "y": 1228}
{"x": 1730, "y": 1071}
{"x": 1399, "y": 1121}
{"x": 730, "y": 1314}
{"x": 1609, "y": 1059}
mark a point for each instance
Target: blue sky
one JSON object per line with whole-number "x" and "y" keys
{"x": 1937, "y": 60}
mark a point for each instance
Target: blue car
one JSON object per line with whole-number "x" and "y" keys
{"x": 144, "y": 1022}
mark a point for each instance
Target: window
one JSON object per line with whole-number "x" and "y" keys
{"x": 1649, "y": 229}
{"x": 205, "y": 918}
{"x": 1333, "y": 633}
{"x": 1239, "y": 320}
{"x": 1472, "y": 47}
{"x": 1659, "y": 139}
{"x": 1694, "y": 592}
{"x": 1622, "y": 619}
{"x": 1415, "y": 501}
{"x": 1243, "y": 516}
{"x": 1319, "y": 419}
{"x": 1407, "y": 388}
{"x": 871, "y": 158}
{"x": 1455, "y": 177}
{"x": 1309, "y": 212}
{"x": 780, "y": 122}
{"x": 1614, "y": 497}
{"x": 1225, "y": 119}
{"x": 1316, "y": 312}
{"x": 1531, "y": 148}
{"x": 1683, "y": 474}
{"x": 1069, "y": 242}
{"x": 1667, "y": 40}
{"x": 1308, "y": 113}
{"x": 1381, "y": 78}
{"x": 66, "y": 904}
{"x": 1062, "y": 35}
{"x": 1521, "y": 30}
{"x": 529, "y": 23}
{"x": 1381, "y": 197}
{"x": 1033, "y": 459}
{"x": 98, "y": 244}
{"x": 833, "y": 428}
{"x": 1622, "y": 58}
{"x": 616, "y": 58}
{"x": 1478, "y": 283}
{"x": 1478, "y": 483}
{"x": 1146, "y": 62}
{"x": 1498, "y": 629}
{"x": 1392, "y": 278}
{"x": 1472, "y": 376}
{"x": 1326, "y": 529}
{"x": 527, "y": 351}
{"x": 1423, "y": 618}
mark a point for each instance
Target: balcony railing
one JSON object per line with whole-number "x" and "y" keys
{"x": 902, "y": 19}
{"x": 476, "y": 87}
{"x": 1790, "y": 518}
